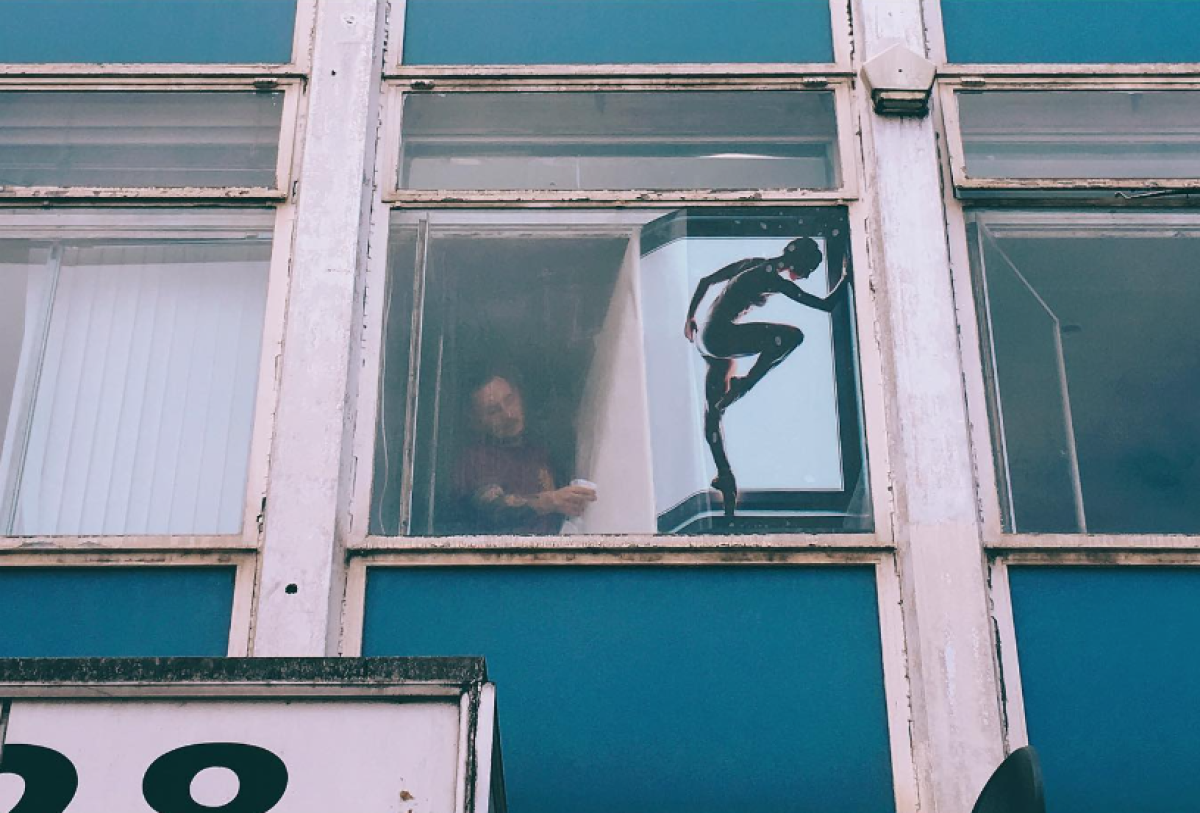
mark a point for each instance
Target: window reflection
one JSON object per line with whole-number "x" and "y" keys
{"x": 556, "y": 392}
{"x": 620, "y": 140}
{"x": 1080, "y": 133}
{"x": 1093, "y": 368}
{"x": 139, "y": 138}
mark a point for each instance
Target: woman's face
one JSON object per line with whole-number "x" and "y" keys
{"x": 499, "y": 409}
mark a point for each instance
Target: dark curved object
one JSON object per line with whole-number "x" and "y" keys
{"x": 50, "y": 778}
{"x": 262, "y": 778}
{"x": 1015, "y": 787}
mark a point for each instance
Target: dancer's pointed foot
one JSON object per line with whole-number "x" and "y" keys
{"x": 727, "y": 485}
{"x": 736, "y": 389}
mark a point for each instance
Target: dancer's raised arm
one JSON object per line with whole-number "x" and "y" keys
{"x": 827, "y": 303}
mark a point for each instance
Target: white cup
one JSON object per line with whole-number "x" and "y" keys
{"x": 575, "y": 525}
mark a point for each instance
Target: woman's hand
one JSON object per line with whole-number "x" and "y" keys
{"x": 570, "y": 500}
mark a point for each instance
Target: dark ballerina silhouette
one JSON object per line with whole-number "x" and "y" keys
{"x": 722, "y": 339}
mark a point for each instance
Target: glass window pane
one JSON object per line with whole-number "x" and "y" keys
{"x": 1059, "y": 31}
{"x": 1109, "y": 677}
{"x": 1081, "y": 134}
{"x": 1088, "y": 335}
{"x": 615, "y": 140}
{"x": 147, "y": 31}
{"x": 542, "y": 32}
{"x": 130, "y": 366}
{"x": 140, "y": 138}
{"x": 683, "y": 687}
{"x": 552, "y": 350}
{"x": 77, "y": 612}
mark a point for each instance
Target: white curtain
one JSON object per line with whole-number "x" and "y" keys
{"x": 140, "y": 418}
{"x": 613, "y": 440}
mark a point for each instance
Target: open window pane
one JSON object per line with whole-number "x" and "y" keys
{"x": 620, "y": 140}
{"x": 1059, "y": 31}
{"x": 139, "y": 138}
{"x": 1110, "y": 679}
{"x": 74, "y": 612}
{"x": 541, "y": 32}
{"x": 147, "y": 30}
{"x": 683, "y": 687}
{"x": 551, "y": 349}
{"x": 1093, "y": 368}
{"x": 1081, "y": 133}
{"x": 129, "y": 366}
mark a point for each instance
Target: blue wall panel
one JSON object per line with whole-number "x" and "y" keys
{"x": 663, "y": 690}
{"x": 507, "y": 32}
{"x": 1110, "y": 674}
{"x": 81, "y": 612}
{"x": 203, "y": 31}
{"x": 1060, "y": 31}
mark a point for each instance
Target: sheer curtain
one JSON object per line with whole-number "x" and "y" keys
{"x": 613, "y": 442}
{"x": 139, "y": 414}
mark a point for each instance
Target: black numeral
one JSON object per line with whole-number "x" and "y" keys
{"x": 167, "y": 786}
{"x": 50, "y": 778}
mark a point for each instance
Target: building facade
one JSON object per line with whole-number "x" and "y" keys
{"x": 265, "y": 265}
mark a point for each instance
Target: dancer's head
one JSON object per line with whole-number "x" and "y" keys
{"x": 800, "y": 258}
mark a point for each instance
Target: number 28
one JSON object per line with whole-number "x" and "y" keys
{"x": 51, "y": 779}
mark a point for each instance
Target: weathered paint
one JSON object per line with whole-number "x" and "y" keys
{"x": 917, "y": 328}
{"x": 957, "y": 737}
{"x": 25, "y": 676}
{"x": 401, "y": 733}
{"x": 627, "y": 542}
{"x": 300, "y": 569}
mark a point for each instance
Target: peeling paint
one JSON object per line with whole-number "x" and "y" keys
{"x": 464, "y": 673}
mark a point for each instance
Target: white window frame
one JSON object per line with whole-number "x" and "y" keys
{"x": 838, "y": 77}
{"x": 888, "y": 596}
{"x": 24, "y": 213}
{"x": 840, "y": 31}
{"x": 362, "y": 550}
{"x": 392, "y": 124}
{"x": 1023, "y": 193}
{"x": 950, "y": 85}
{"x": 1168, "y": 555}
{"x": 367, "y": 371}
{"x": 36, "y": 222}
{"x": 983, "y": 447}
{"x": 240, "y": 626}
{"x": 292, "y": 89}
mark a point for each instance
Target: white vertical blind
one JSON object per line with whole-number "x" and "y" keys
{"x": 142, "y": 414}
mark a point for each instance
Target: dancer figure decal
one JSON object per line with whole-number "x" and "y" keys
{"x": 721, "y": 338}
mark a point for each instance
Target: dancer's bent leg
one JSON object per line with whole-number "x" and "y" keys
{"x": 716, "y": 385}
{"x": 772, "y": 343}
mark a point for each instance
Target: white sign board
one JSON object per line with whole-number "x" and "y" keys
{"x": 184, "y": 746}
